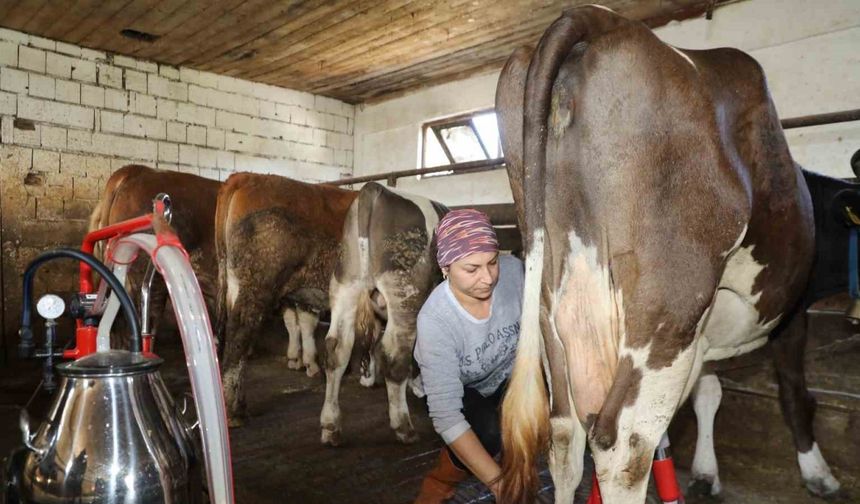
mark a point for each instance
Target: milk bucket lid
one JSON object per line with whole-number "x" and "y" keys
{"x": 110, "y": 363}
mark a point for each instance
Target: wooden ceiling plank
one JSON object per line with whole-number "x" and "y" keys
{"x": 23, "y": 11}
{"x": 70, "y": 17}
{"x": 181, "y": 27}
{"x": 404, "y": 56}
{"x": 457, "y": 62}
{"x": 43, "y": 17}
{"x": 107, "y": 35}
{"x": 269, "y": 43}
{"x": 211, "y": 31}
{"x": 403, "y": 28}
{"x": 152, "y": 22}
{"x": 101, "y": 15}
{"x": 342, "y": 39}
{"x": 260, "y": 37}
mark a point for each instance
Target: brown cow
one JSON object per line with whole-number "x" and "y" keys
{"x": 129, "y": 193}
{"x": 666, "y": 225}
{"x": 277, "y": 241}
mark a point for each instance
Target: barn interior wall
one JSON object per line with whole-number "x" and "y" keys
{"x": 808, "y": 51}
{"x": 70, "y": 116}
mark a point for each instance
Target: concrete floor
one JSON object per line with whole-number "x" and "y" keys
{"x": 277, "y": 456}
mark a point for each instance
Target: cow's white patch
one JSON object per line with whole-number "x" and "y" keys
{"x": 232, "y": 288}
{"x": 588, "y": 314}
{"x": 364, "y": 258}
{"x": 417, "y": 386}
{"x": 816, "y": 473}
{"x": 294, "y": 338}
{"x": 680, "y": 53}
{"x": 308, "y": 324}
{"x": 601, "y": 7}
{"x": 707, "y": 395}
{"x": 733, "y": 324}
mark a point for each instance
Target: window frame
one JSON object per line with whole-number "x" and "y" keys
{"x": 435, "y": 128}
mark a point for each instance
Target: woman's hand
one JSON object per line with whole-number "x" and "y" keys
{"x": 472, "y": 453}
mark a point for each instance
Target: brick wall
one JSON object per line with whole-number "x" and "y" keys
{"x": 70, "y": 116}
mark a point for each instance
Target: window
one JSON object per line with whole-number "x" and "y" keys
{"x": 463, "y": 139}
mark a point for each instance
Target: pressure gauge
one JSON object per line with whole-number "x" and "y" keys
{"x": 51, "y": 306}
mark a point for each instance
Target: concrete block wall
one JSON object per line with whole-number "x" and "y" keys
{"x": 70, "y": 116}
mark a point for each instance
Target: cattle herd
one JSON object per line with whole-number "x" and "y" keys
{"x": 665, "y": 225}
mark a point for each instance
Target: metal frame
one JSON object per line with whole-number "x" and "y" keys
{"x": 495, "y": 164}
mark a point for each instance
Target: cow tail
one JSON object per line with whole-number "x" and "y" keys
{"x": 221, "y": 213}
{"x": 365, "y": 317}
{"x": 100, "y": 216}
{"x": 525, "y": 411}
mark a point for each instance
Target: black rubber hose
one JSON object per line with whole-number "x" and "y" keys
{"x": 26, "y": 346}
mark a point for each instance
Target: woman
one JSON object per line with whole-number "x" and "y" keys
{"x": 467, "y": 337}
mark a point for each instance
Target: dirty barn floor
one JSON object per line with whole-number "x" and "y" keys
{"x": 277, "y": 456}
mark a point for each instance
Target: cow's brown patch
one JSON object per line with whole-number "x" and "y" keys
{"x": 624, "y": 392}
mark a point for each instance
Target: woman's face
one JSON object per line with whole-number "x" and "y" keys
{"x": 475, "y": 275}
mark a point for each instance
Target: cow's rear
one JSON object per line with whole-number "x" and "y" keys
{"x": 665, "y": 225}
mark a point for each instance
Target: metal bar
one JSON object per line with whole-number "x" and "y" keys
{"x": 480, "y": 142}
{"x": 443, "y": 144}
{"x": 819, "y": 119}
{"x": 494, "y": 164}
{"x": 459, "y": 168}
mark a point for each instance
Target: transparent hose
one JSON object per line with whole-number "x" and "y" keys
{"x": 200, "y": 356}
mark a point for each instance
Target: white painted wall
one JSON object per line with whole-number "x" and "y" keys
{"x": 810, "y": 50}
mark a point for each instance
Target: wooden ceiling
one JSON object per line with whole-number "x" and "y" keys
{"x": 354, "y": 50}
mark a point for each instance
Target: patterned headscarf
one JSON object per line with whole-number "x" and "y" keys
{"x": 461, "y": 233}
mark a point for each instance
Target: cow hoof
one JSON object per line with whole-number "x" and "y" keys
{"x": 367, "y": 381}
{"x": 407, "y": 436}
{"x": 825, "y": 487}
{"x": 294, "y": 363}
{"x": 705, "y": 486}
{"x": 330, "y": 437}
{"x": 312, "y": 370}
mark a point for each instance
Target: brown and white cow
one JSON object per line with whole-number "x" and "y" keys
{"x": 129, "y": 192}
{"x": 387, "y": 269}
{"x": 277, "y": 242}
{"x": 666, "y": 225}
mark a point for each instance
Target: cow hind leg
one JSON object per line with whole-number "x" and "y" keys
{"x": 243, "y": 322}
{"x": 707, "y": 394}
{"x": 397, "y": 342}
{"x": 308, "y": 321}
{"x": 338, "y": 348}
{"x": 567, "y": 435}
{"x": 294, "y": 344}
{"x": 627, "y": 431}
{"x": 798, "y": 406}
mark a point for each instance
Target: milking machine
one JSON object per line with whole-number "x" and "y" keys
{"x": 113, "y": 433}
{"x": 665, "y": 479}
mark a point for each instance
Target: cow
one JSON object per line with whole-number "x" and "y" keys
{"x": 277, "y": 242}
{"x": 665, "y": 225}
{"x": 129, "y": 192}
{"x": 387, "y": 268}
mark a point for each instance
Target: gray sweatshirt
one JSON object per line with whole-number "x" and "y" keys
{"x": 455, "y": 350}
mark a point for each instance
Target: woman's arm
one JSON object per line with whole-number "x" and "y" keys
{"x": 471, "y": 452}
